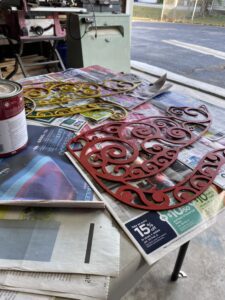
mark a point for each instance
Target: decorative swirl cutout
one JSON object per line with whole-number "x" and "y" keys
{"x": 160, "y": 197}
{"x": 128, "y": 156}
{"x": 199, "y": 182}
{"x": 188, "y": 113}
{"x": 143, "y": 130}
{"x": 185, "y": 194}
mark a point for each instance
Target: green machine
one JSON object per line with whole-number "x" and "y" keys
{"x": 100, "y": 39}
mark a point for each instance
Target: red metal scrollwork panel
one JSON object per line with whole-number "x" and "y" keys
{"x": 122, "y": 156}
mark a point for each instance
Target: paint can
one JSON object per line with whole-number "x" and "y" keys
{"x": 13, "y": 125}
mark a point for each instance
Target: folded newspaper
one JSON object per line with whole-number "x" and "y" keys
{"x": 74, "y": 286}
{"x": 59, "y": 241}
{"x": 11, "y": 295}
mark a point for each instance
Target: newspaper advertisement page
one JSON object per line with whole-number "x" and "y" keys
{"x": 213, "y": 138}
{"x": 39, "y": 79}
{"x": 74, "y": 122}
{"x": 30, "y": 177}
{"x": 156, "y": 233}
{"x": 52, "y": 283}
{"x": 59, "y": 241}
{"x": 92, "y": 73}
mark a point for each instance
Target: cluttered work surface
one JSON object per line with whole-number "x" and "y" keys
{"x": 131, "y": 151}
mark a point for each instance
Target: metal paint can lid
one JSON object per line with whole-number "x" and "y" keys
{"x": 9, "y": 88}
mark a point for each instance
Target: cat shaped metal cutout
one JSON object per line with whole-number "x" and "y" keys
{"x": 125, "y": 158}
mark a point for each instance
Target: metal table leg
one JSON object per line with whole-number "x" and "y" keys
{"x": 179, "y": 261}
{"x": 56, "y": 53}
{"x": 12, "y": 46}
{"x": 19, "y": 59}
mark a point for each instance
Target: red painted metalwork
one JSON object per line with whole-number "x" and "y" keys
{"x": 125, "y": 157}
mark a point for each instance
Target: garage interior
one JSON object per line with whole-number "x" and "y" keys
{"x": 39, "y": 37}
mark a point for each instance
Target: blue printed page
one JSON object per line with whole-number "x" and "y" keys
{"x": 42, "y": 173}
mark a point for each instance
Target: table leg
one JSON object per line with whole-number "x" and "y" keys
{"x": 179, "y": 261}
{"x": 12, "y": 46}
{"x": 19, "y": 59}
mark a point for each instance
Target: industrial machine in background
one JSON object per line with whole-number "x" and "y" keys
{"x": 114, "y": 6}
{"x": 34, "y": 18}
{"x": 97, "y": 31}
{"x": 64, "y": 5}
{"x": 99, "y": 39}
{"x": 89, "y": 5}
{"x": 35, "y": 21}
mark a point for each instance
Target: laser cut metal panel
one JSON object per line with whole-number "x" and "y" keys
{"x": 55, "y": 95}
{"x": 125, "y": 158}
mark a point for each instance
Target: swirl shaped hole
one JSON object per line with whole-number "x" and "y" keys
{"x": 77, "y": 145}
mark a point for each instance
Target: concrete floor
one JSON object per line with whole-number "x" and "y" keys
{"x": 204, "y": 265}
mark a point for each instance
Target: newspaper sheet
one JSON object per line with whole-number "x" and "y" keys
{"x": 54, "y": 295}
{"x": 42, "y": 175}
{"x": 76, "y": 286}
{"x": 11, "y": 295}
{"x": 74, "y": 123}
{"x": 59, "y": 241}
{"x": 157, "y": 233}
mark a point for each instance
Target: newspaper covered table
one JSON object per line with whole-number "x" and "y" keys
{"x": 153, "y": 233}
{"x": 157, "y": 233}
